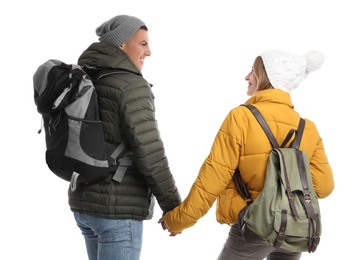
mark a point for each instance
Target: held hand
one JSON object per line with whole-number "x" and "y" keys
{"x": 165, "y": 226}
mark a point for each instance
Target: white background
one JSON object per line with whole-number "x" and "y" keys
{"x": 201, "y": 52}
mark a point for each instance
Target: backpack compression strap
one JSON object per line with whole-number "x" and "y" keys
{"x": 122, "y": 164}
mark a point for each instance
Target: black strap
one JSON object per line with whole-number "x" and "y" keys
{"x": 296, "y": 142}
{"x": 288, "y": 137}
{"x": 97, "y": 73}
{"x": 263, "y": 124}
{"x": 305, "y": 199}
{"x": 242, "y": 187}
{"x": 281, "y": 235}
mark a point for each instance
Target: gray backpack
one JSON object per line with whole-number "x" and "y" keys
{"x": 286, "y": 213}
{"x": 76, "y": 150}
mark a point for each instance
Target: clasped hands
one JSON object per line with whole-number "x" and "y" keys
{"x": 165, "y": 227}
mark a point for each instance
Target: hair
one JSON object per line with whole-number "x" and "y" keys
{"x": 144, "y": 28}
{"x": 260, "y": 74}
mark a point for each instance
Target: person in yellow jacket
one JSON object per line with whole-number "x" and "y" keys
{"x": 240, "y": 142}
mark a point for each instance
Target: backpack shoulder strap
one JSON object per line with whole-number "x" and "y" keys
{"x": 296, "y": 142}
{"x": 96, "y": 73}
{"x": 118, "y": 156}
{"x": 242, "y": 187}
{"x": 263, "y": 124}
{"x": 288, "y": 137}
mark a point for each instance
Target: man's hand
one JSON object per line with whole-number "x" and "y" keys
{"x": 165, "y": 226}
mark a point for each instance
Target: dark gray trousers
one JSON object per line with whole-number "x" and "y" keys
{"x": 251, "y": 247}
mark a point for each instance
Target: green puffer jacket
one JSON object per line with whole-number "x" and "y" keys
{"x": 127, "y": 111}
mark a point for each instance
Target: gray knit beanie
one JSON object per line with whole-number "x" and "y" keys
{"x": 119, "y": 29}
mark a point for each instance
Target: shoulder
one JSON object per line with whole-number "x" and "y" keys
{"x": 238, "y": 119}
{"x": 125, "y": 81}
{"x": 311, "y": 131}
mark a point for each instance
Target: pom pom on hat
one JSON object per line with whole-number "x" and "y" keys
{"x": 286, "y": 70}
{"x": 119, "y": 29}
{"x": 314, "y": 60}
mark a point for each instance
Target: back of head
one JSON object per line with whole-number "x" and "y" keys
{"x": 119, "y": 29}
{"x": 286, "y": 70}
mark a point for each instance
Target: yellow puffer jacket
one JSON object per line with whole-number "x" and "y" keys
{"x": 241, "y": 142}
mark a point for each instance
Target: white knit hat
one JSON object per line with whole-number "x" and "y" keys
{"x": 286, "y": 70}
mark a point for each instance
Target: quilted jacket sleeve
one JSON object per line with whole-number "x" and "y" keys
{"x": 135, "y": 113}
{"x": 214, "y": 175}
{"x": 140, "y": 125}
{"x": 320, "y": 168}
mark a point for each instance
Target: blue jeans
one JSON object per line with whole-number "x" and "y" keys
{"x": 111, "y": 239}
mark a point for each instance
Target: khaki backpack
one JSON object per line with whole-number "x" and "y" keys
{"x": 286, "y": 213}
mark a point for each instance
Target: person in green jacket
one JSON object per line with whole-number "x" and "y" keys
{"x": 241, "y": 143}
{"x": 110, "y": 213}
